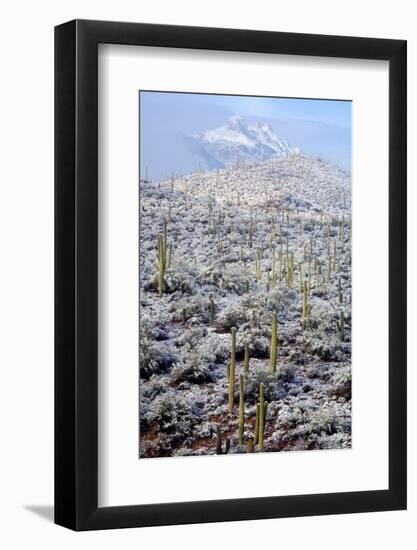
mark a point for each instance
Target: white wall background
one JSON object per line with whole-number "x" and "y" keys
{"x": 26, "y": 271}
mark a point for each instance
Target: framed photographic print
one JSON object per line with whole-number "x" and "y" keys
{"x": 230, "y": 275}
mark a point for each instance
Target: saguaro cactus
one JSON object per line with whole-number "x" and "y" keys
{"x": 161, "y": 257}
{"x": 246, "y": 361}
{"x": 262, "y": 417}
{"x": 291, "y": 271}
{"x": 256, "y": 435}
{"x": 258, "y": 266}
{"x": 251, "y": 229}
{"x": 280, "y": 261}
{"x": 287, "y": 254}
{"x": 160, "y": 264}
{"x": 273, "y": 350}
{"x": 340, "y": 325}
{"x": 241, "y": 409}
{"x": 340, "y": 291}
{"x": 211, "y": 308}
{"x": 304, "y": 313}
{"x": 249, "y": 446}
{"x": 341, "y": 229}
{"x": 232, "y": 371}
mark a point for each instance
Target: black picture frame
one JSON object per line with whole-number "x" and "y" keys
{"x": 76, "y": 272}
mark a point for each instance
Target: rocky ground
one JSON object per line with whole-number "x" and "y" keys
{"x": 242, "y": 245}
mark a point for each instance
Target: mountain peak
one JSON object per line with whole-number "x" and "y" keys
{"x": 236, "y": 122}
{"x": 236, "y": 141}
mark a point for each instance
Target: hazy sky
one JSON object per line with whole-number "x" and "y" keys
{"x": 319, "y": 127}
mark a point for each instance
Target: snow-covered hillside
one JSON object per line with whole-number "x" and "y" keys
{"x": 237, "y": 141}
{"x": 245, "y": 298}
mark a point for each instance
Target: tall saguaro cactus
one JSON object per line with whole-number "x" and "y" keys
{"x": 232, "y": 371}
{"x": 161, "y": 257}
{"x": 273, "y": 350}
{"x": 304, "y": 313}
{"x": 291, "y": 271}
{"x": 262, "y": 416}
{"x": 273, "y": 273}
{"x": 340, "y": 291}
{"x": 340, "y": 325}
{"x": 258, "y": 266}
{"x": 211, "y": 308}
{"x": 251, "y": 229}
{"x": 241, "y": 409}
{"x": 246, "y": 361}
{"x": 160, "y": 264}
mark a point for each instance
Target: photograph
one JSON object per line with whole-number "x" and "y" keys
{"x": 245, "y": 274}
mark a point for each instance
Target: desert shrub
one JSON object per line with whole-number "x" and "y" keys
{"x": 159, "y": 447}
{"x": 273, "y": 388}
{"x": 153, "y": 387}
{"x": 192, "y": 337}
{"x": 235, "y": 279}
{"x": 250, "y": 308}
{"x": 258, "y": 336}
{"x": 194, "y": 365}
{"x": 324, "y": 420}
{"x": 281, "y": 298}
{"x": 194, "y": 307}
{"x": 176, "y": 280}
{"x": 171, "y": 413}
{"x": 219, "y": 347}
{"x": 327, "y": 347}
{"x": 343, "y": 383}
{"x": 226, "y": 274}
{"x": 287, "y": 373}
{"x": 289, "y": 417}
{"x": 233, "y": 316}
{"x": 322, "y": 314}
{"x": 154, "y": 357}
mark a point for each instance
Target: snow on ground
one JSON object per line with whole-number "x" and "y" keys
{"x": 219, "y": 224}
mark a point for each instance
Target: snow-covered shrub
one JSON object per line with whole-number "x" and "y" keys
{"x": 323, "y": 420}
{"x": 154, "y": 386}
{"x": 258, "y": 338}
{"x": 176, "y": 280}
{"x": 289, "y": 417}
{"x": 192, "y": 337}
{"x": 280, "y": 299}
{"x": 233, "y": 316}
{"x": 343, "y": 383}
{"x": 226, "y": 274}
{"x": 287, "y": 373}
{"x": 193, "y": 307}
{"x": 272, "y": 387}
{"x": 194, "y": 365}
{"x": 322, "y": 314}
{"x": 154, "y": 357}
{"x": 171, "y": 413}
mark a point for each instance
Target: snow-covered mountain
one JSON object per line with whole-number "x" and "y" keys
{"x": 236, "y": 141}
